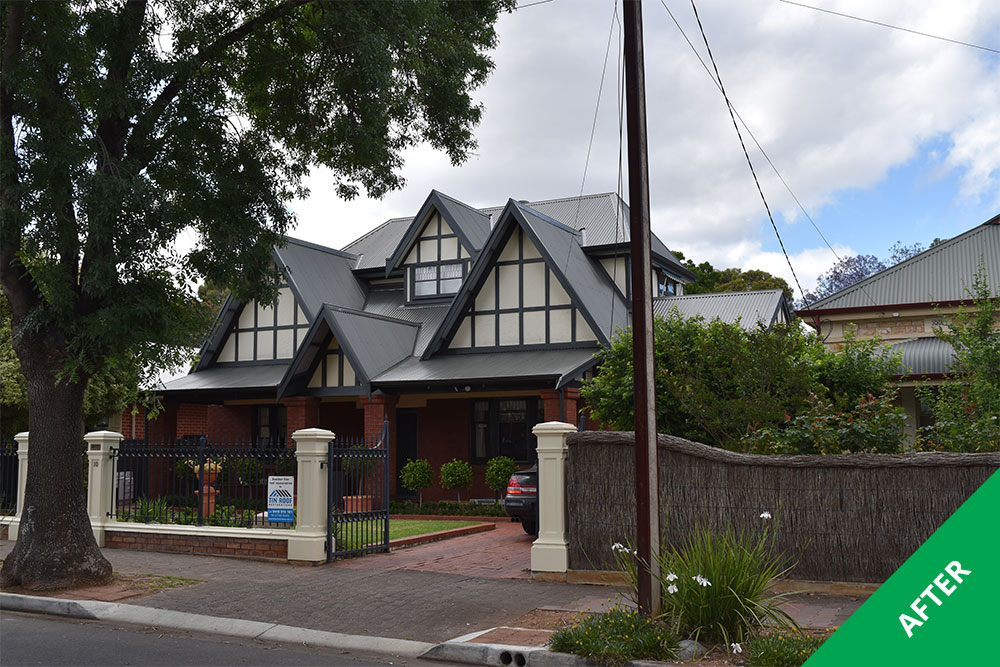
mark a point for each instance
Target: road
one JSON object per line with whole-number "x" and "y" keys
{"x": 28, "y": 639}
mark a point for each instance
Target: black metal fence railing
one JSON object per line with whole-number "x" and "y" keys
{"x": 196, "y": 482}
{"x": 8, "y": 478}
{"x": 358, "y": 501}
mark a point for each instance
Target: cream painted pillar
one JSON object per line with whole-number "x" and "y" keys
{"x": 100, "y": 485}
{"x": 550, "y": 552}
{"x": 308, "y": 541}
{"x": 22, "y": 476}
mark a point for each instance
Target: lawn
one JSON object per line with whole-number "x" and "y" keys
{"x": 369, "y": 532}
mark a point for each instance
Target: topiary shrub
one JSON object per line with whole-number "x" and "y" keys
{"x": 498, "y": 472}
{"x": 417, "y": 475}
{"x": 456, "y": 475}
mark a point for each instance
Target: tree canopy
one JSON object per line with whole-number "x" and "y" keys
{"x": 125, "y": 123}
{"x": 855, "y": 268}
{"x": 710, "y": 279}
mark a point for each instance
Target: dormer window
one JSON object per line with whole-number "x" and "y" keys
{"x": 437, "y": 279}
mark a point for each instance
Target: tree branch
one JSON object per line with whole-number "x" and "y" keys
{"x": 138, "y": 149}
{"x": 113, "y": 127}
{"x": 21, "y": 291}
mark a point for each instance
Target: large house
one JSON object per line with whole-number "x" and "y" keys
{"x": 905, "y": 303}
{"x": 463, "y": 327}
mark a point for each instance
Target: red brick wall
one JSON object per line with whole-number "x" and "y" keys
{"x": 140, "y": 423}
{"x": 303, "y": 412}
{"x": 244, "y": 547}
{"x": 553, "y": 402}
{"x": 192, "y": 419}
{"x": 163, "y": 427}
{"x": 443, "y": 432}
{"x": 230, "y": 423}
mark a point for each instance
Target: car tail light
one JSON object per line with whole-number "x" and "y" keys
{"x": 514, "y": 487}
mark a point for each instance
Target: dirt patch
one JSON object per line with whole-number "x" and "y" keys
{"x": 546, "y": 619}
{"x": 122, "y": 587}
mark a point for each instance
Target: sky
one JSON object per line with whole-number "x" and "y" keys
{"x": 882, "y": 135}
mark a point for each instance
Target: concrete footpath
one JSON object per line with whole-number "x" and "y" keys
{"x": 474, "y": 589}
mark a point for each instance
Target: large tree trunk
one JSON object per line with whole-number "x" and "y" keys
{"x": 55, "y": 545}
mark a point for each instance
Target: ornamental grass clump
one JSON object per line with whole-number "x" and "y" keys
{"x": 715, "y": 585}
{"x": 617, "y": 637}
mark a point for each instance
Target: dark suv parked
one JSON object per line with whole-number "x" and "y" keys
{"x": 521, "y": 501}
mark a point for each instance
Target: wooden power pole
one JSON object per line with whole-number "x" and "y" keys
{"x": 646, "y": 468}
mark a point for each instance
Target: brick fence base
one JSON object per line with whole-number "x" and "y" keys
{"x": 242, "y": 547}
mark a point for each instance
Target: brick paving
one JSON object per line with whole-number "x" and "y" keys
{"x": 431, "y": 592}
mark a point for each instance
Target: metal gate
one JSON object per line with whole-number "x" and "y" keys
{"x": 358, "y": 496}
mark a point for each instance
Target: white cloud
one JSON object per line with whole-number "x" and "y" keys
{"x": 836, "y": 103}
{"x": 809, "y": 264}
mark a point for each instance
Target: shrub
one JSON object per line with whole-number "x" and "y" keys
{"x": 716, "y": 584}
{"x": 446, "y": 508}
{"x": 417, "y": 475}
{"x": 456, "y": 475}
{"x": 617, "y": 637}
{"x": 150, "y": 509}
{"x": 875, "y": 425}
{"x": 780, "y": 649}
{"x": 498, "y": 472}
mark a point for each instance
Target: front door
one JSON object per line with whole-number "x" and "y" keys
{"x": 406, "y": 446}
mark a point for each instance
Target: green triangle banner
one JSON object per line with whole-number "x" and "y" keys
{"x": 940, "y": 606}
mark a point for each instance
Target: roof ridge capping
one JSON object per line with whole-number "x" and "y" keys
{"x": 720, "y": 294}
{"x": 321, "y": 248}
{"x": 473, "y": 209}
{"x": 374, "y": 316}
{"x": 541, "y": 216}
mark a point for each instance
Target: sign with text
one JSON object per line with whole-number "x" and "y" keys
{"x": 280, "y": 498}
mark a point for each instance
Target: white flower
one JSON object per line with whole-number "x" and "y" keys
{"x": 672, "y": 588}
{"x": 765, "y": 515}
{"x": 671, "y": 577}
{"x": 702, "y": 580}
{"x": 617, "y": 546}
{"x": 736, "y": 648}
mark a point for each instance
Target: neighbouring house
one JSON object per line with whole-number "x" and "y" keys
{"x": 904, "y": 304}
{"x": 463, "y": 327}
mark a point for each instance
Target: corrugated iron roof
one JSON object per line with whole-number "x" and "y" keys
{"x": 934, "y": 276}
{"x": 604, "y": 216}
{"x": 522, "y": 364}
{"x": 749, "y": 308}
{"x": 925, "y": 356}
{"x": 374, "y": 342}
{"x": 320, "y": 275}
{"x": 258, "y": 376}
{"x": 392, "y": 303}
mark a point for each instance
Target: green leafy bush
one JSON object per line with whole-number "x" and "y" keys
{"x": 715, "y": 585}
{"x": 417, "y": 475}
{"x": 446, "y": 508}
{"x": 780, "y": 649}
{"x": 617, "y": 637}
{"x": 228, "y": 515}
{"x": 150, "y": 509}
{"x": 498, "y": 472}
{"x": 456, "y": 475}
{"x": 875, "y": 425}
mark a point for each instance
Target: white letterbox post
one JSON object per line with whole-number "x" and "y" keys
{"x": 550, "y": 552}
{"x": 308, "y": 540}
{"x": 100, "y": 489}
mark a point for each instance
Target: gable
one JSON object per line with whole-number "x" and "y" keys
{"x": 333, "y": 369}
{"x": 265, "y": 333}
{"x": 520, "y": 302}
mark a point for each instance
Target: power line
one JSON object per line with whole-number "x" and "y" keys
{"x": 756, "y": 142}
{"x": 746, "y": 154}
{"x": 532, "y": 4}
{"x": 889, "y": 25}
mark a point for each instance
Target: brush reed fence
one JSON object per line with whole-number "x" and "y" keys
{"x": 853, "y": 517}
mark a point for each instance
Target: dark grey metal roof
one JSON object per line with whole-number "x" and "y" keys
{"x": 934, "y": 276}
{"x": 257, "y": 376}
{"x": 320, "y": 275}
{"x": 392, "y": 303}
{"x": 374, "y": 342}
{"x": 749, "y": 308}
{"x": 474, "y": 224}
{"x": 604, "y": 216}
{"x": 558, "y": 365}
{"x": 925, "y": 356}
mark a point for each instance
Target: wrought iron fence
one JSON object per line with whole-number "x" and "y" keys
{"x": 8, "y": 478}
{"x": 196, "y": 482}
{"x": 358, "y": 487}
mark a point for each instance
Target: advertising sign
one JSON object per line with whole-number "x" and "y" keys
{"x": 280, "y": 498}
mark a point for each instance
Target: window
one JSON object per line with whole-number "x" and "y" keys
{"x": 502, "y": 427}
{"x": 437, "y": 279}
{"x": 269, "y": 425}
{"x": 667, "y": 285}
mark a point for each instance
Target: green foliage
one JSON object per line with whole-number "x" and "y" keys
{"x": 498, "y": 472}
{"x": 150, "y": 509}
{"x": 967, "y": 410}
{"x": 417, "y": 475}
{"x": 875, "y": 425}
{"x": 716, "y": 382}
{"x": 446, "y": 508}
{"x": 456, "y": 474}
{"x": 248, "y": 471}
{"x": 715, "y": 585}
{"x": 286, "y": 466}
{"x": 780, "y": 649}
{"x": 229, "y": 515}
{"x": 617, "y": 637}
{"x": 711, "y": 280}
